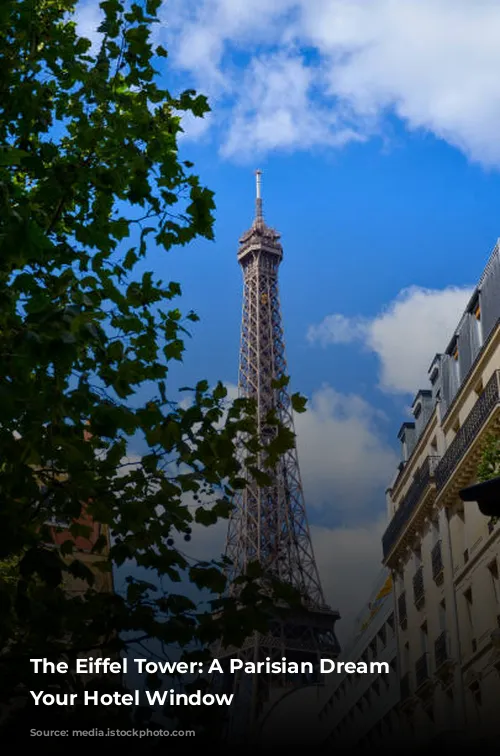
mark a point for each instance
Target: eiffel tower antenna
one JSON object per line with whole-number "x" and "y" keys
{"x": 269, "y": 524}
{"x": 258, "y": 208}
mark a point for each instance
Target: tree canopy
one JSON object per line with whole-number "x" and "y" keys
{"x": 90, "y": 180}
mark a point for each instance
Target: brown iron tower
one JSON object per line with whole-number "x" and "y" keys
{"x": 269, "y": 524}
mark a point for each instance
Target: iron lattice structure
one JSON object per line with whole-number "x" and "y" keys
{"x": 269, "y": 524}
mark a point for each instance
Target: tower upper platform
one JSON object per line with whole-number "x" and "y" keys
{"x": 260, "y": 237}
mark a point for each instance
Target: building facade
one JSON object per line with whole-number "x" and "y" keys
{"x": 444, "y": 556}
{"x": 361, "y": 710}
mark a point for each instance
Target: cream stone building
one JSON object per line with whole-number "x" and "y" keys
{"x": 361, "y": 710}
{"x": 444, "y": 555}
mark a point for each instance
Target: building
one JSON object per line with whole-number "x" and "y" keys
{"x": 361, "y": 710}
{"x": 84, "y": 551}
{"x": 444, "y": 555}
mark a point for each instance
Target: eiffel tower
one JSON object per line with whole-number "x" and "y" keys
{"x": 269, "y": 524}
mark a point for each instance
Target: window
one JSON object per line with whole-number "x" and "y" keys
{"x": 478, "y": 336}
{"x": 469, "y": 616}
{"x": 442, "y": 615}
{"x": 424, "y": 640}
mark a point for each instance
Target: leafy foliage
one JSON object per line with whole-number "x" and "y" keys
{"x": 90, "y": 179}
{"x": 489, "y": 465}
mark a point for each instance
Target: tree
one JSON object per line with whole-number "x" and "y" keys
{"x": 489, "y": 465}
{"x": 90, "y": 178}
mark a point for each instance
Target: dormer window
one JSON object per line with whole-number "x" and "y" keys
{"x": 455, "y": 354}
{"x": 434, "y": 375}
{"x": 417, "y": 411}
{"x": 477, "y": 312}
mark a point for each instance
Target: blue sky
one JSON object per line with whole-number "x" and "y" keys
{"x": 377, "y": 131}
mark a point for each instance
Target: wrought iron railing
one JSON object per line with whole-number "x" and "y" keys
{"x": 469, "y": 430}
{"x": 441, "y": 654}
{"x": 405, "y": 686}
{"x": 404, "y": 512}
{"x": 418, "y": 586}
{"x": 421, "y": 670}
{"x": 437, "y": 560}
{"x": 402, "y": 615}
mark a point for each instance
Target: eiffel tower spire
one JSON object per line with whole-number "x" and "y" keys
{"x": 258, "y": 199}
{"x": 269, "y": 524}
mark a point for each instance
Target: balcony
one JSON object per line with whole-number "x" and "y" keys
{"x": 423, "y": 682}
{"x": 405, "y": 511}
{"x": 442, "y": 656}
{"x": 469, "y": 431}
{"x": 421, "y": 670}
{"x": 437, "y": 563}
{"x": 402, "y": 615}
{"x": 418, "y": 587}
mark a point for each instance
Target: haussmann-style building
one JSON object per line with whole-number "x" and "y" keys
{"x": 360, "y": 711}
{"x": 443, "y": 554}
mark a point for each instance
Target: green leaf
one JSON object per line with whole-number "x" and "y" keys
{"x": 12, "y": 156}
{"x": 67, "y": 547}
{"x": 280, "y": 383}
{"x": 205, "y": 516}
{"x": 298, "y": 403}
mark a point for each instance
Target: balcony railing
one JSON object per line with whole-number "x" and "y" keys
{"x": 441, "y": 652}
{"x": 404, "y": 513}
{"x": 418, "y": 586}
{"x": 402, "y": 608}
{"x": 437, "y": 561}
{"x": 421, "y": 670}
{"x": 469, "y": 430}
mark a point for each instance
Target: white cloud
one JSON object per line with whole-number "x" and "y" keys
{"x": 405, "y": 336}
{"x": 89, "y": 17}
{"x": 345, "y": 464}
{"x": 370, "y": 59}
{"x": 337, "y": 329}
{"x": 349, "y": 560}
{"x": 195, "y": 128}
{"x": 276, "y": 110}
